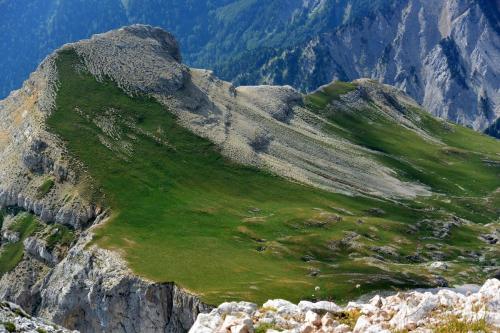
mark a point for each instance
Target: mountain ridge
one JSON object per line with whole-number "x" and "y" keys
{"x": 208, "y": 197}
{"x": 305, "y": 49}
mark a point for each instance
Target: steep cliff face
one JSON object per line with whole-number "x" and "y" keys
{"x": 445, "y": 54}
{"x": 92, "y": 290}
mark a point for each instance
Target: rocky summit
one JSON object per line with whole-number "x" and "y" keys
{"x": 403, "y": 312}
{"x": 137, "y": 192}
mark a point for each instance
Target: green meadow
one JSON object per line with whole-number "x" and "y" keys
{"x": 182, "y": 212}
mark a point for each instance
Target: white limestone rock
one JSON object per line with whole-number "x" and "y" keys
{"x": 14, "y": 317}
{"x": 413, "y": 311}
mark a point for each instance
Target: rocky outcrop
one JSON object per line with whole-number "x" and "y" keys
{"x": 92, "y": 290}
{"x": 30, "y": 156}
{"x": 14, "y": 319}
{"x": 158, "y": 69}
{"x": 75, "y": 214}
{"x": 38, "y": 249}
{"x": 9, "y": 236}
{"x": 412, "y": 312}
{"x": 102, "y": 295}
{"x": 20, "y": 285}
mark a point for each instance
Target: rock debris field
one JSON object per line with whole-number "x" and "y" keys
{"x": 15, "y": 319}
{"x": 403, "y": 312}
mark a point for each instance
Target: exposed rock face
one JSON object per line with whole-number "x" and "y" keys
{"x": 19, "y": 285}
{"x": 10, "y": 236}
{"x": 38, "y": 249}
{"x": 413, "y": 312}
{"x": 494, "y": 129}
{"x": 92, "y": 290}
{"x": 102, "y": 295}
{"x": 15, "y": 319}
{"x": 30, "y": 155}
{"x": 158, "y": 69}
{"x": 445, "y": 54}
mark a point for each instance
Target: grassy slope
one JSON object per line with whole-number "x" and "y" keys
{"x": 183, "y": 213}
{"x": 12, "y": 253}
{"x": 459, "y": 168}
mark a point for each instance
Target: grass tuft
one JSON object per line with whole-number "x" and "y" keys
{"x": 348, "y": 318}
{"x": 454, "y": 324}
{"x": 59, "y": 235}
{"x": 12, "y": 253}
{"x": 10, "y": 327}
{"x": 45, "y": 188}
{"x": 263, "y": 328}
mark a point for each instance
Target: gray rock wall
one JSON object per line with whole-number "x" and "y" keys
{"x": 92, "y": 290}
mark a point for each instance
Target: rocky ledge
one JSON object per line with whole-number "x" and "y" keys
{"x": 403, "y": 312}
{"x": 15, "y": 319}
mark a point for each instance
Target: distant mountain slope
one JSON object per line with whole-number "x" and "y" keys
{"x": 124, "y": 170}
{"x": 443, "y": 53}
{"x": 209, "y": 31}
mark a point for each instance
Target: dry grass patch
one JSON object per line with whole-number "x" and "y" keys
{"x": 454, "y": 324}
{"x": 348, "y": 318}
